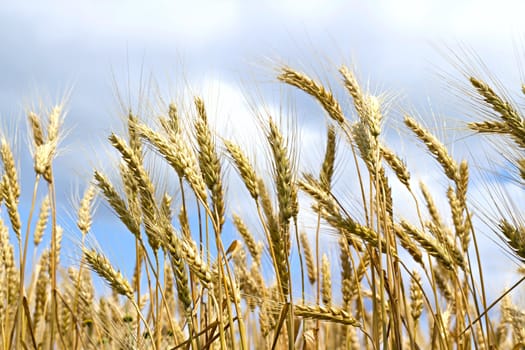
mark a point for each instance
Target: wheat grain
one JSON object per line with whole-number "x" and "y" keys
{"x": 374, "y": 116}
{"x": 462, "y": 184}
{"x": 117, "y": 203}
{"x": 521, "y": 167}
{"x": 254, "y": 248}
{"x": 366, "y": 145}
{"x": 256, "y": 274}
{"x": 41, "y": 223}
{"x": 441, "y": 279}
{"x": 431, "y": 206}
{"x": 134, "y": 163}
{"x": 54, "y": 121}
{"x": 455, "y": 206}
{"x": 332, "y": 314}
{"x": 507, "y": 112}
{"x": 514, "y": 237}
{"x": 346, "y": 272}
{"x": 244, "y": 168}
{"x": 12, "y": 206}
{"x": 146, "y": 189}
{"x": 502, "y": 329}
{"x": 327, "y": 168}
{"x": 209, "y": 162}
{"x": 349, "y": 227}
{"x": 286, "y": 195}
{"x": 41, "y": 287}
{"x": 85, "y": 219}
{"x": 396, "y": 164}
{"x": 12, "y": 274}
{"x": 184, "y": 223}
{"x": 58, "y": 244}
{"x": 313, "y": 88}
{"x": 43, "y": 157}
{"x": 10, "y": 169}
{"x": 36, "y": 128}
{"x": 101, "y": 265}
{"x": 429, "y": 244}
{"x": 435, "y": 147}
{"x": 353, "y": 88}
{"x": 134, "y": 136}
{"x": 3, "y": 293}
{"x": 309, "y": 258}
{"x": 460, "y": 223}
{"x": 360, "y": 272}
{"x": 248, "y": 285}
{"x": 517, "y": 317}
{"x": 184, "y": 248}
{"x": 408, "y": 244}
{"x": 178, "y": 156}
{"x": 267, "y": 207}
{"x": 416, "y": 296}
{"x": 367, "y": 106}
{"x": 489, "y": 126}
{"x": 181, "y": 280}
{"x": 326, "y": 281}
{"x": 174, "y": 117}
{"x": 325, "y": 200}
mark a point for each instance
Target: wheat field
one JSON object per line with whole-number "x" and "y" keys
{"x": 399, "y": 283}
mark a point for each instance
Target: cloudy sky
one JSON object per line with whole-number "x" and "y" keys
{"x": 224, "y": 48}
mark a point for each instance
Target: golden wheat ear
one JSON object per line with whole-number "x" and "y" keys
{"x": 101, "y": 265}
{"x": 514, "y": 236}
{"x": 315, "y": 89}
{"x": 244, "y": 168}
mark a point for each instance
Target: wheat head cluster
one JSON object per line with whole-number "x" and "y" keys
{"x": 400, "y": 283}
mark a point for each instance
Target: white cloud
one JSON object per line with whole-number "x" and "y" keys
{"x": 481, "y": 18}
{"x": 390, "y": 37}
{"x": 457, "y": 20}
{"x": 158, "y": 21}
{"x": 308, "y": 9}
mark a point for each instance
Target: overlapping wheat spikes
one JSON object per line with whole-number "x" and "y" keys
{"x": 401, "y": 284}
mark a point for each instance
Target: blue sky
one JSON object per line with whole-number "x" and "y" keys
{"x": 219, "y": 48}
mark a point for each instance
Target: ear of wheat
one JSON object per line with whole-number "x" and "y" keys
{"x": 202, "y": 278}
